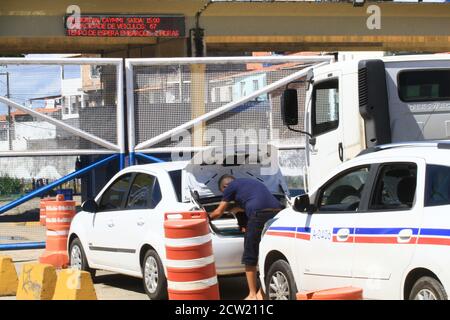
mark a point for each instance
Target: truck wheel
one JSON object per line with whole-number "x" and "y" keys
{"x": 427, "y": 288}
{"x": 154, "y": 279}
{"x": 77, "y": 258}
{"x": 280, "y": 284}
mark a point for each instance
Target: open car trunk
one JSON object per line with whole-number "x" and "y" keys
{"x": 200, "y": 181}
{"x": 228, "y": 224}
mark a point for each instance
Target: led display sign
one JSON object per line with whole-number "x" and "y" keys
{"x": 172, "y": 26}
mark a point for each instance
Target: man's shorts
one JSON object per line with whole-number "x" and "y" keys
{"x": 252, "y": 236}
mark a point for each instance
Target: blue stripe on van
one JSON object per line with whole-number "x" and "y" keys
{"x": 383, "y": 231}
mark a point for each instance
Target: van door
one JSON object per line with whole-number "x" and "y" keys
{"x": 324, "y": 151}
{"x": 329, "y": 257}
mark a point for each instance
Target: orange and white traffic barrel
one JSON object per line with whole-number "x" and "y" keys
{"x": 190, "y": 265}
{"x": 42, "y": 213}
{"x": 344, "y": 293}
{"x": 59, "y": 216}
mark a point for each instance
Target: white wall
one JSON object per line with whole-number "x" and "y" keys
{"x": 34, "y": 130}
{"x": 352, "y": 55}
{"x": 18, "y": 145}
{"x": 70, "y": 87}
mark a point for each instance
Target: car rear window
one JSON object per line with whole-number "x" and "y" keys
{"x": 424, "y": 85}
{"x": 175, "y": 176}
{"x": 145, "y": 192}
{"x": 437, "y": 186}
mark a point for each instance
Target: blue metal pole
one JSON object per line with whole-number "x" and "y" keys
{"x": 54, "y": 184}
{"x": 121, "y": 161}
{"x": 132, "y": 158}
{"x": 151, "y": 158}
{"x": 22, "y": 246}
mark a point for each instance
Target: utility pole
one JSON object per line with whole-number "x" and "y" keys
{"x": 9, "y": 111}
{"x": 10, "y": 146}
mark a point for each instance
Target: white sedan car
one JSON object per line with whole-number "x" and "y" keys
{"x": 379, "y": 222}
{"x": 122, "y": 229}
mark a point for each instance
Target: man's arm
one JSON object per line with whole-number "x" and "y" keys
{"x": 236, "y": 210}
{"x": 219, "y": 210}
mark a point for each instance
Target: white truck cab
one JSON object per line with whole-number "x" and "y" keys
{"x": 354, "y": 105}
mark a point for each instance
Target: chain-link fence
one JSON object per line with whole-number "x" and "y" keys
{"x": 83, "y": 96}
{"x": 186, "y": 104}
{"x": 51, "y": 112}
{"x": 54, "y": 111}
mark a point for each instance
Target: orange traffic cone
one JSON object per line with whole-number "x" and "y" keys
{"x": 42, "y": 210}
{"x": 59, "y": 216}
{"x": 191, "y": 270}
{"x": 345, "y": 293}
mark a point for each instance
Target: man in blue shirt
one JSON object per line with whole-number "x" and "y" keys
{"x": 259, "y": 206}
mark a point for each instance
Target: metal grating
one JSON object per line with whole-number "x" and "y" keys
{"x": 362, "y": 87}
{"x": 184, "y": 92}
{"x": 81, "y": 95}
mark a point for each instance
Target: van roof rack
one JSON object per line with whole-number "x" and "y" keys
{"x": 440, "y": 144}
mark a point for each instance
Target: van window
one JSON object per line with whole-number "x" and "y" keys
{"x": 437, "y": 182}
{"x": 325, "y": 107}
{"x": 424, "y": 85}
{"x": 395, "y": 187}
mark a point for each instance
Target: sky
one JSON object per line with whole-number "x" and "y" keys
{"x": 32, "y": 81}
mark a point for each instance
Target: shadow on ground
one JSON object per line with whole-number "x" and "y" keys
{"x": 231, "y": 287}
{"x": 120, "y": 281}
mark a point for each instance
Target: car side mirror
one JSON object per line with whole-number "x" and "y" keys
{"x": 89, "y": 206}
{"x": 301, "y": 203}
{"x": 289, "y": 107}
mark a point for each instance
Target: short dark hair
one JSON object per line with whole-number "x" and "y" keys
{"x": 225, "y": 176}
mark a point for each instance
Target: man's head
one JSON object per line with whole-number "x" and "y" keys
{"x": 224, "y": 181}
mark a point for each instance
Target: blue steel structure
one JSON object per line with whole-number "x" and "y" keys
{"x": 56, "y": 183}
{"x": 134, "y": 156}
{"x": 150, "y": 158}
{"x": 132, "y": 159}
{"x": 122, "y": 162}
{"x": 43, "y": 190}
{"x": 116, "y": 151}
{"x": 71, "y": 176}
{"x": 22, "y": 246}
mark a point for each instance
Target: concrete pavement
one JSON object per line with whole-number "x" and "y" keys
{"x": 113, "y": 286}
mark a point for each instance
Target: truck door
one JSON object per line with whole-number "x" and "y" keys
{"x": 324, "y": 151}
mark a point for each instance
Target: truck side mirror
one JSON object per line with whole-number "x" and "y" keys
{"x": 289, "y": 107}
{"x": 89, "y": 206}
{"x": 301, "y": 203}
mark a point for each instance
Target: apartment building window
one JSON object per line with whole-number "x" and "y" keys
{"x": 95, "y": 72}
{"x": 255, "y": 85}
